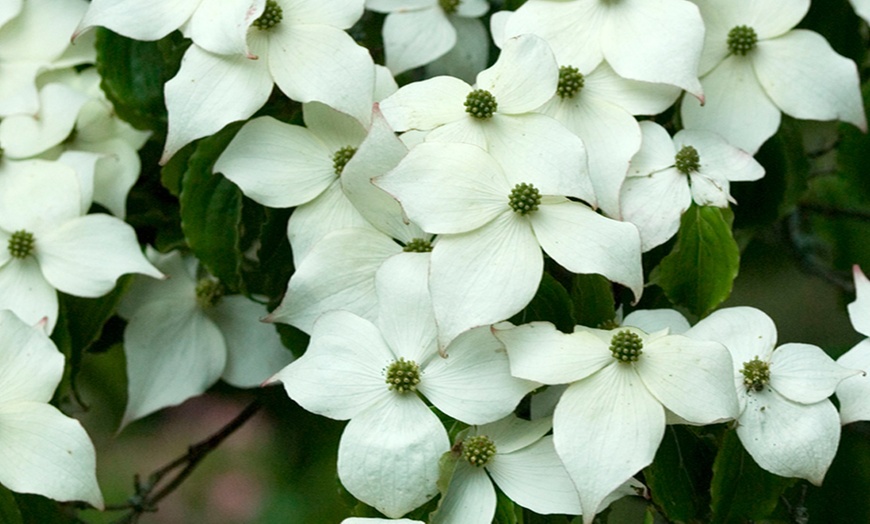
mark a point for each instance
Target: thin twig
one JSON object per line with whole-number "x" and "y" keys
{"x": 144, "y": 500}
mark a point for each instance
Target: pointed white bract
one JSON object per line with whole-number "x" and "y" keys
{"x": 854, "y": 392}
{"x": 487, "y": 262}
{"x": 50, "y": 244}
{"x": 371, "y": 373}
{"x": 416, "y": 33}
{"x": 300, "y": 46}
{"x": 755, "y": 66}
{"x": 786, "y": 422}
{"x": 655, "y": 41}
{"x": 43, "y": 451}
{"x": 667, "y": 175}
{"x": 183, "y": 335}
{"x": 609, "y": 422}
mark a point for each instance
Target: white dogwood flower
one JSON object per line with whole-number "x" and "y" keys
{"x": 854, "y": 392}
{"x": 755, "y": 67}
{"x": 42, "y": 450}
{"x": 786, "y": 422}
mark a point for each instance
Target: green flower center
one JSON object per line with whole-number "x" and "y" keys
{"x": 209, "y": 292}
{"x": 21, "y": 244}
{"x": 342, "y": 157}
{"x": 756, "y": 374}
{"x": 570, "y": 81}
{"x": 480, "y": 104}
{"x": 272, "y": 16}
{"x": 626, "y": 346}
{"x": 524, "y": 198}
{"x": 449, "y": 6}
{"x": 742, "y": 39}
{"x": 403, "y": 376}
{"x": 418, "y": 245}
{"x": 687, "y": 160}
{"x": 478, "y": 450}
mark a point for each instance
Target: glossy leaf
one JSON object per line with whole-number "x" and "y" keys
{"x": 699, "y": 272}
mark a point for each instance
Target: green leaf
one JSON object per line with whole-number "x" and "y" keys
{"x": 843, "y": 496}
{"x": 211, "y": 210}
{"x": 699, "y": 272}
{"x": 740, "y": 490}
{"x": 592, "y": 296}
{"x": 679, "y": 476}
{"x": 786, "y": 170}
{"x": 133, "y": 74}
{"x": 505, "y": 510}
{"x": 551, "y": 303}
{"x": 9, "y": 513}
{"x": 36, "y": 509}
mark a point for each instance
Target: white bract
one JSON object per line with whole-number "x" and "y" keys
{"x": 755, "y": 66}
{"x": 35, "y": 40}
{"x": 655, "y": 41}
{"x": 522, "y": 461}
{"x": 49, "y": 244}
{"x": 300, "y": 45}
{"x": 610, "y": 420}
{"x": 183, "y": 334}
{"x": 854, "y": 392}
{"x": 372, "y": 373}
{"x": 416, "y": 32}
{"x": 492, "y": 224}
{"x": 786, "y": 422}
{"x": 666, "y": 175}
{"x": 218, "y": 26}
{"x": 42, "y": 450}
{"x": 497, "y": 114}
{"x": 862, "y": 8}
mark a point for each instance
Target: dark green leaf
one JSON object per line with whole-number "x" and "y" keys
{"x": 786, "y": 169}
{"x": 211, "y": 210}
{"x": 842, "y": 498}
{"x": 592, "y": 296}
{"x": 740, "y": 489}
{"x": 551, "y": 303}
{"x": 679, "y": 477}
{"x": 9, "y": 513}
{"x": 133, "y": 74}
{"x": 505, "y": 510}
{"x": 36, "y": 509}
{"x": 699, "y": 272}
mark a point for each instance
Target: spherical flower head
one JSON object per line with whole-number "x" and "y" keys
{"x": 481, "y": 104}
{"x": 272, "y": 16}
{"x": 756, "y": 374}
{"x": 21, "y": 244}
{"x": 687, "y": 160}
{"x": 341, "y": 157}
{"x": 478, "y": 450}
{"x": 403, "y": 376}
{"x": 418, "y": 245}
{"x": 525, "y": 198}
{"x": 626, "y": 346}
{"x": 209, "y": 292}
{"x": 571, "y": 81}
{"x": 742, "y": 39}
{"x": 449, "y": 6}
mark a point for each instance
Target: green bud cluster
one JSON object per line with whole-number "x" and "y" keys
{"x": 756, "y": 374}
{"x": 21, "y": 244}
{"x": 570, "y": 82}
{"x": 403, "y": 376}
{"x": 524, "y": 198}
{"x": 481, "y": 104}
{"x": 272, "y": 16}
{"x": 626, "y": 346}
{"x": 209, "y": 292}
{"x": 418, "y": 245}
{"x": 342, "y": 157}
{"x": 449, "y": 6}
{"x": 687, "y": 160}
{"x": 478, "y": 450}
{"x": 742, "y": 39}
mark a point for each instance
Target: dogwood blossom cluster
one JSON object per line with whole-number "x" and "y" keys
{"x": 427, "y": 211}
